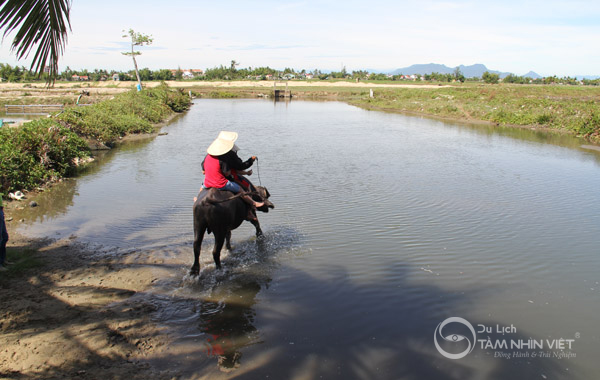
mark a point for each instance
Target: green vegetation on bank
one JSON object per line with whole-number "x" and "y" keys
{"x": 130, "y": 112}
{"x": 561, "y": 108}
{"x": 47, "y": 149}
{"x": 37, "y": 152}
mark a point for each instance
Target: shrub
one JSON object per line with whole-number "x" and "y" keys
{"x": 590, "y": 125}
{"x": 45, "y": 149}
{"x": 37, "y": 152}
{"x": 177, "y": 100}
{"x": 130, "y": 112}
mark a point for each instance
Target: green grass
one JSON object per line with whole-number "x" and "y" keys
{"x": 563, "y": 108}
{"x": 223, "y": 95}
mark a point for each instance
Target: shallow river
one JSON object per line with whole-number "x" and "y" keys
{"x": 385, "y": 226}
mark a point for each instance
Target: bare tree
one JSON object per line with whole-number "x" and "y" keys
{"x": 137, "y": 39}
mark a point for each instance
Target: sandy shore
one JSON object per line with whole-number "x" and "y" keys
{"x": 77, "y": 315}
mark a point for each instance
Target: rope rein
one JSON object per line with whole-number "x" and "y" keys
{"x": 258, "y": 172}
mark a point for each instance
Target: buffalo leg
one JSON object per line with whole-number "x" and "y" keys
{"x": 198, "y": 236}
{"x": 256, "y": 225}
{"x": 228, "y": 240}
{"x": 219, "y": 240}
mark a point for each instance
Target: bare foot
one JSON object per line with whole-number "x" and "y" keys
{"x": 195, "y": 199}
{"x": 259, "y": 204}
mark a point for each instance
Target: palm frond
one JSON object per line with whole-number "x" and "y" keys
{"x": 41, "y": 23}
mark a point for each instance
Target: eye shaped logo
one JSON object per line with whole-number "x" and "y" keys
{"x": 454, "y": 337}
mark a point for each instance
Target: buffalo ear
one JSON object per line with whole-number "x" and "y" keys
{"x": 268, "y": 194}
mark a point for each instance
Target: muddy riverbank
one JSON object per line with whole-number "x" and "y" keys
{"x": 75, "y": 314}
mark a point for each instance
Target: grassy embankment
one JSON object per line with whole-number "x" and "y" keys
{"x": 575, "y": 110}
{"x": 565, "y": 109}
{"x": 47, "y": 149}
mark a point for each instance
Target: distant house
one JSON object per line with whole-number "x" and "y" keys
{"x": 409, "y": 77}
{"x": 115, "y": 77}
{"x": 79, "y": 77}
{"x": 188, "y": 73}
{"x": 309, "y": 76}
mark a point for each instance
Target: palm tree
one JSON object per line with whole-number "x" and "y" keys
{"x": 41, "y": 23}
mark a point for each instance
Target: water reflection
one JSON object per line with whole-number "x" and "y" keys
{"x": 228, "y": 317}
{"x": 355, "y": 336}
{"x": 542, "y": 136}
{"x": 59, "y": 197}
{"x": 51, "y": 203}
{"x": 212, "y": 318}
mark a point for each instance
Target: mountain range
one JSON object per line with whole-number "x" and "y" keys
{"x": 471, "y": 71}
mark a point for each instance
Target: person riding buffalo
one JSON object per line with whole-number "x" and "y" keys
{"x": 222, "y": 164}
{"x": 235, "y": 163}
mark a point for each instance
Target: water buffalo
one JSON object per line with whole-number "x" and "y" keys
{"x": 220, "y": 212}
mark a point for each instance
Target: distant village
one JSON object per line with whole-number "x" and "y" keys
{"x": 21, "y": 74}
{"x": 198, "y": 74}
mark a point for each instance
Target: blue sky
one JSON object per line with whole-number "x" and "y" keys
{"x": 548, "y": 37}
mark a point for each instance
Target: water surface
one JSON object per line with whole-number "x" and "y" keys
{"x": 384, "y": 226}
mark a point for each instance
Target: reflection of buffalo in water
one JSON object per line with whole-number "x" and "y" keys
{"x": 220, "y": 212}
{"x": 228, "y": 320}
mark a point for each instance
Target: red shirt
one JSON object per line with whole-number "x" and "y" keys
{"x": 213, "y": 175}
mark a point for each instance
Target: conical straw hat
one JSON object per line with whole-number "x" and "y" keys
{"x": 219, "y": 147}
{"x": 223, "y": 144}
{"x": 225, "y": 135}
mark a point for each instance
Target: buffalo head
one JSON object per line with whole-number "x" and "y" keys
{"x": 264, "y": 196}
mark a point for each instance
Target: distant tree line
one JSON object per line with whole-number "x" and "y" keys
{"x": 10, "y": 73}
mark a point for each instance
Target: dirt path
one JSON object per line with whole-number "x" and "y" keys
{"x": 76, "y": 315}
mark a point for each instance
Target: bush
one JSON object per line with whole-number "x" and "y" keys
{"x": 131, "y": 112}
{"x": 177, "y": 100}
{"x": 44, "y": 149}
{"x": 544, "y": 119}
{"x": 37, "y": 152}
{"x": 226, "y": 95}
{"x": 590, "y": 125}
{"x": 103, "y": 125}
